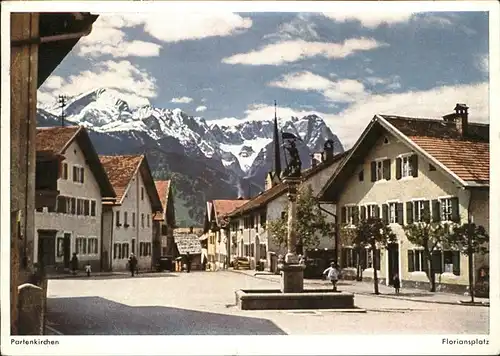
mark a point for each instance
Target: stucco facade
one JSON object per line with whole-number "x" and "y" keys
{"x": 78, "y": 223}
{"x": 132, "y": 228}
{"x": 430, "y": 184}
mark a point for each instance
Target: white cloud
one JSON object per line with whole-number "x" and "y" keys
{"x": 345, "y": 90}
{"x": 370, "y": 19}
{"x": 135, "y": 85}
{"x": 350, "y": 123}
{"x": 292, "y": 51}
{"x": 201, "y": 108}
{"x": 300, "y": 27}
{"x": 482, "y": 63}
{"x": 390, "y": 83}
{"x": 107, "y": 38}
{"x": 183, "y": 100}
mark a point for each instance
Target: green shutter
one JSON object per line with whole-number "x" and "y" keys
{"x": 436, "y": 211}
{"x": 455, "y": 216}
{"x": 373, "y": 171}
{"x": 427, "y": 211}
{"x": 414, "y": 165}
{"x": 411, "y": 261}
{"x": 398, "y": 167}
{"x": 387, "y": 169}
{"x": 385, "y": 214}
{"x": 399, "y": 213}
{"x": 409, "y": 212}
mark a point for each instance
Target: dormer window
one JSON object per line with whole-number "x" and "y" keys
{"x": 407, "y": 166}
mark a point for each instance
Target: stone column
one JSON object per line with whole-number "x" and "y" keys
{"x": 292, "y": 273}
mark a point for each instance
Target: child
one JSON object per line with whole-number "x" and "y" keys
{"x": 88, "y": 269}
{"x": 332, "y": 274}
{"x": 396, "y": 283}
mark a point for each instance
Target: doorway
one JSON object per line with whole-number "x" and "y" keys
{"x": 67, "y": 250}
{"x": 47, "y": 248}
{"x": 393, "y": 262}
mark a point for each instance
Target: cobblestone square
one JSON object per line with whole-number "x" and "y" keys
{"x": 203, "y": 303}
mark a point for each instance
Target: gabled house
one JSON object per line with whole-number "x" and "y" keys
{"x": 71, "y": 187}
{"x": 128, "y": 223}
{"x": 215, "y": 240}
{"x": 166, "y": 219}
{"x": 403, "y": 169}
{"x": 247, "y": 226}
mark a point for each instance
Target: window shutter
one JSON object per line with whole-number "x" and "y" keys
{"x": 385, "y": 214}
{"x": 436, "y": 211}
{"x": 437, "y": 262}
{"x": 373, "y": 171}
{"x": 377, "y": 211}
{"x": 411, "y": 261}
{"x": 75, "y": 170}
{"x": 455, "y": 259}
{"x": 363, "y": 213}
{"x": 355, "y": 217}
{"x": 454, "y": 210}
{"x": 414, "y": 165}
{"x": 82, "y": 175}
{"x": 399, "y": 162}
{"x": 409, "y": 213}
{"x": 399, "y": 213}
{"x": 427, "y": 211}
{"x": 387, "y": 169}
{"x": 343, "y": 215}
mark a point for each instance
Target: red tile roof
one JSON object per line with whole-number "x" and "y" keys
{"x": 469, "y": 160}
{"x": 224, "y": 207}
{"x": 162, "y": 187}
{"x": 120, "y": 170}
{"x": 55, "y": 139}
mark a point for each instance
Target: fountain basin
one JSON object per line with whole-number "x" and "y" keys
{"x": 273, "y": 299}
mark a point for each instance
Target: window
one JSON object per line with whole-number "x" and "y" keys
{"x": 407, "y": 166}
{"x": 147, "y": 220}
{"x": 115, "y": 251}
{"x": 93, "y": 247}
{"x": 120, "y": 251}
{"x": 92, "y": 208}
{"x": 349, "y": 259}
{"x": 125, "y": 250}
{"x": 118, "y": 218}
{"x": 392, "y": 213}
{"x": 431, "y": 168}
{"x": 79, "y": 207}
{"x": 350, "y": 215}
{"x": 133, "y": 219}
{"x": 361, "y": 175}
{"x": 416, "y": 261}
{"x": 64, "y": 171}
{"x": 142, "y": 220}
{"x": 62, "y": 204}
{"x": 78, "y": 174}
{"x": 452, "y": 262}
{"x": 81, "y": 246}
{"x": 125, "y": 219}
{"x": 73, "y": 206}
{"x": 417, "y": 211}
{"x": 141, "y": 248}
{"x": 60, "y": 247}
{"x": 449, "y": 209}
{"x": 86, "y": 207}
{"x": 142, "y": 193}
{"x": 373, "y": 211}
{"x": 381, "y": 170}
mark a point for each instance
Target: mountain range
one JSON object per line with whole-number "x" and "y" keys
{"x": 216, "y": 159}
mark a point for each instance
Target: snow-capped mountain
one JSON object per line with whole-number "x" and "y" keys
{"x": 236, "y": 146}
{"x": 208, "y": 160}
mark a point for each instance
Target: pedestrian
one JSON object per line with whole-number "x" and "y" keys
{"x": 332, "y": 274}
{"x": 132, "y": 264}
{"x": 88, "y": 269}
{"x": 396, "y": 282}
{"x": 74, "y": 263}
{"x": 188, "y": 262}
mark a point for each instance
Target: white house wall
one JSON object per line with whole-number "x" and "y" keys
{"x": 77, "y": 225}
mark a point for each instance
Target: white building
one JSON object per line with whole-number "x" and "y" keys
{"x": 73, "y": 225}
{"x": 128, "y": 223}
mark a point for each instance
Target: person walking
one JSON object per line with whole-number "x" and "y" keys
{"x": 332, "y": 274}
{"x": 88, "y": 269}
{"x": 188, "y": 262}
{"x": 74, "y": 263}
{"x": 132, "y": 264}
{"x": 396, "y": 282}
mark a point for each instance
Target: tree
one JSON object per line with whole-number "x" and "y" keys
{"x": 431, "y": 236}
{"x": 469, "y": 239}
{"x": 311, "y": 221}
{"x": 373, "y": 233}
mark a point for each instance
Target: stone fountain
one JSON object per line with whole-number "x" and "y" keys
{"x": 292, "y": 294}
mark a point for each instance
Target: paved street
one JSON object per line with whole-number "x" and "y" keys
{"x": 203, "y": 303}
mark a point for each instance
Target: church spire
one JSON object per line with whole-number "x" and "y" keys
{"x": 277, "y": 152}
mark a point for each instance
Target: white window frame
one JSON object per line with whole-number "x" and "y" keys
{"x": 80, "y": 169}
{"x": 406, "y": 168}
{"x": 79, "y": 244}
{"x": 348, "y": 212}
{"x": 446, "y": 210}
{"x": 418, "y": 209}
{"x": 89, "y": 238}
{"x": 391, "y": 217}
{"x": 379, "y": 171}
{"x": 371, "y": 210}
{"x": 418, "y": 255}
{"x": 65, "y": 164}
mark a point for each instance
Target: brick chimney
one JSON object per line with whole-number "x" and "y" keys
{"x": 462, "y": 118}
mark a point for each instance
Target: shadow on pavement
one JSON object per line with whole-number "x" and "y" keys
{"x": 99, "y": 316}
{"x": 114, "y": 276}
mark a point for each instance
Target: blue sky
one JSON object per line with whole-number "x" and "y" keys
{"x": 346, "y": 67}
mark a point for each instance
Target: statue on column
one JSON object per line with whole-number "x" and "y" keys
{"x": 294, "y": 166}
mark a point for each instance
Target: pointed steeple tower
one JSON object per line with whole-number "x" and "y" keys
{"x": 277, "y": 152}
